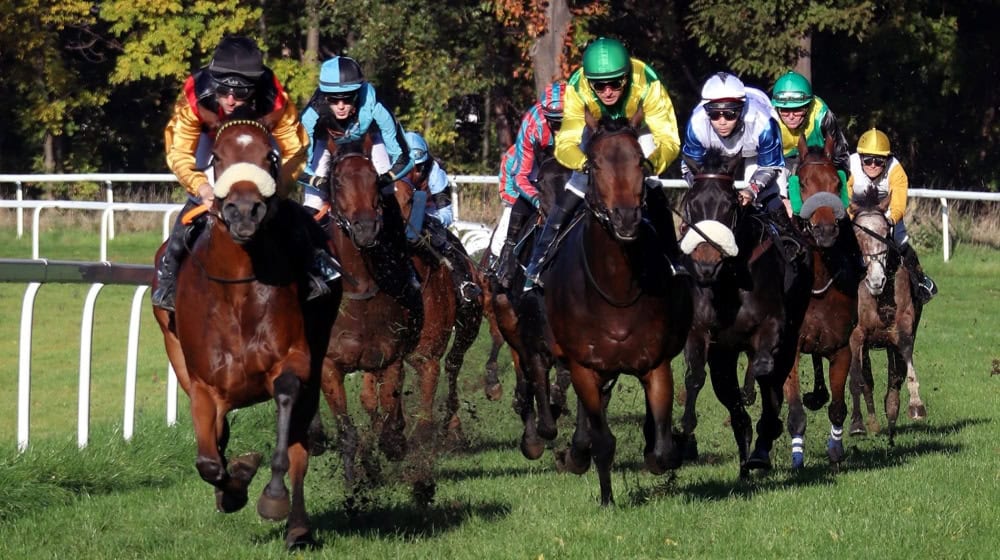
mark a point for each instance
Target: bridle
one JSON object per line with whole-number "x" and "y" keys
{"x": 336, "y": 214}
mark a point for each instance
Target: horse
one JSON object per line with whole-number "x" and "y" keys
{"x": 750, "y": 296}
{"x": 242, "y": 333}
{"x": 379, "y": 322}
{"x": 537, "y": 403}
{"x": 888, "y": 314}
{"x": 612, "y": 305}
{"x": 832, "y": 312}
{"x": 444, "y": 310}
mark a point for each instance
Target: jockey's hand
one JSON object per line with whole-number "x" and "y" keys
{"x": 745, "y": 196}
{"x": 385, "y": 179}
{"x": 535, "y": 201}
{"x": 207, "y": 194}
{"x": 317, "y": 181}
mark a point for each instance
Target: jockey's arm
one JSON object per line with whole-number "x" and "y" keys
{"x": 770, "y": 160}
{"x": 899, "y": 185}
{"x": 180, "y": 137}
{"x": 292, "y": 140}
{"x": 523, "y": 160}
{"x": 309, "y": 119}
{"x": 662, "y": 122}
{"x": 570, "y": 135}
{"x": 693, "y": 149}
{"x": 841, "y": 152}
{"x": 395, "y": 144}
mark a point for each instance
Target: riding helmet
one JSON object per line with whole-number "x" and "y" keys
{"x": 340, "y": 74}
{"x": 791, "y": 91}
{"x": 605, "y": 59}
{"x": 419, "y": 152}
{"x": 237, "y": 62}
{"x": 874, "y": 143}
{"x": 724, "y": 91}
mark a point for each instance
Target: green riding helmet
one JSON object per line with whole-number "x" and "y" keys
{"x": 790, "y": 91}
{"x": 605, "y": 59}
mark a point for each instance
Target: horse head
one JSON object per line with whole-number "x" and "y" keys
{"x": 819, "y": 185}
{"x": 246, "y": 170}
{"x": 552, "y": 177}
{"x": 355, "y": 204}
{"x": 615, "y": 162}
{"x": 874, "y": 233}
{"x": 710, "y": 214}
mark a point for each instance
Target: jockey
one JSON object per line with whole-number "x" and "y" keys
{"x": 536, "y": 133}
{"x": 874, "y": 165}
{"x": 737, "y": 120}
{"x": 613, "y": 84}
{"x": 346, "y": 106}
{"x": 508, "y": 197}
{"x": 235, "y": 79}
{"x": 800, "y": 113}
{"x": 427, "y": 171}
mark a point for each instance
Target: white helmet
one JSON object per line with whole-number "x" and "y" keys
{"x": 724, "y": 89}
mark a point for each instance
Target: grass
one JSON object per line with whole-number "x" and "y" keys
{"x": 935, "y": 494}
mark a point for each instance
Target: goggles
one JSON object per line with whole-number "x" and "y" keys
{"x": 876, "y": 161}
{"x": 727, "y": 114}
{"x": 240, "y": 93}
{"x": 346, "y": 98}
{"x": 615, "y": 85}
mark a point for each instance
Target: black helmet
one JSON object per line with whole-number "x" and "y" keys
{"x": 237, "y": 62}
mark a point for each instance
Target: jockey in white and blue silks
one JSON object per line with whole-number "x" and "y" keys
{"x": 738, "y": 121}
{"x": 347, "y": 106}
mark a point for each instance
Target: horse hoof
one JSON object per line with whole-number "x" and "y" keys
{"x": 815, "y": 400}
{"x": 749, "y": 397}
{"x": 299, "y": 538}
{"x": 858, "y": 430}
{"x": 274, "y": 508}
{"x": 532, "y": 448}
{"x": 798, "y": 460}
{"x": 759, "y": 460}
{"x": 244, "y": 467}
{"x": 566, "y": 463}
{"x": 835, "y": 450}
{"x": 918, "y": 412}
{"x": 232, "y": 501}
{"x": 690, "y": 448}
{"x": 547, "y": 431}
{"x": 493, "y": 392}
{"x": 874, "y": 427}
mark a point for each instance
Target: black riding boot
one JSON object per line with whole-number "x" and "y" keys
{"x": 923, "y": 287}
{"x": 181, "y": 237}
{"x": 396, "y": 244}
{"x": 507, "y": 261}
{"x": 566, "y": 204}
{"x": 658, "y": 212}
{"x": 321, "y": 268}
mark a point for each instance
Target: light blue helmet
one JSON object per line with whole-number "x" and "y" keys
{"x": 340, "y": 74}
{"x": 419, "y": 152}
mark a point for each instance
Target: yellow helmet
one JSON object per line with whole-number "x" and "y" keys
{"x": 874, "y": 142}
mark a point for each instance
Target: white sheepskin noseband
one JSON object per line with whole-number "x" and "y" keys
{"x": 716, "y": 231}
{"x": 244, "y": 172}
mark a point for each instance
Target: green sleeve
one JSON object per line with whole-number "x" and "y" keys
{"x": 794, "y": 194}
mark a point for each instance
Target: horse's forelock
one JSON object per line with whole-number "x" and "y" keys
{"x": 245, "y": 172}
{"x": 714, "y": 161}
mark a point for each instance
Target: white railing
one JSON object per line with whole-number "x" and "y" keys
{"x": 477, "y": 230}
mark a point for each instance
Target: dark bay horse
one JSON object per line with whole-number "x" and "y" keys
{"x": 612, "y": 306}
{"x": 832, "y": 312}
{"x": 749, "y": 296}
{"x": 379, "y": 321}
{"x": 888, "y": 314}
{"x": 537, "y": 403}
{"x": 445, "y": 310}
{"x": 241, "y": 333}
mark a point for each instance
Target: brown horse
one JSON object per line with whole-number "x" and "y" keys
{"x": 538, "y": 404}
{"x": 612, "y": 307}
{"x": 241, "y": 333}
{"x": 749, "y": 296}
{"x": 888, "y": 315}
{"x": 379, "y": 321}
{"x": 832, "y": 312}
{"x": 444, "y": 310}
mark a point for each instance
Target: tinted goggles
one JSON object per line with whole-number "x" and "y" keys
{"x": 335, "y": 98}
{"x": 241, "y": 93}
{"x": 873, "y": 160}
{"x": 727, "y": 114}
{"x": 605, "y": 84}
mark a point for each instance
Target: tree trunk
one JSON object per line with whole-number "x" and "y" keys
{"x": 804, "y": 63}
{"x": 546, "y": 53}
{"x": 49, "y": 150}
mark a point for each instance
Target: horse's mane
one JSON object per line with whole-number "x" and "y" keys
{"x": 869, "y": 199}
{"x": 714, "y": 161}
{"x": 607, "y": 124}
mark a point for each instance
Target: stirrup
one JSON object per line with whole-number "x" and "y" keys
{"x": 926, "y": 289}
{"x": 318, "y": 288}
{"x": 163, "y": 298}
{"x": 468, "y": 291}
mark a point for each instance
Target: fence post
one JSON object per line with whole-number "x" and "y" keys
{"x": 86, "y": 342}
{"x": 24, "y": 366}
{"x": 19, "y": 195}
{"x": 111, "y": 200}
{"x": 944, "y": 229}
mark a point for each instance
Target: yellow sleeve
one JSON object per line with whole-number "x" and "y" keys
{"x": 570, "y": 134}
{"x": 180, "y": 139}
{"x": 292, "y": 140}
{"x": 662, "y": 122}
{"x": 899, "y": 185}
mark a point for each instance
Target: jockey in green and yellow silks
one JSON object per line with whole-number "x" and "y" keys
{"x": 800, "y": 113}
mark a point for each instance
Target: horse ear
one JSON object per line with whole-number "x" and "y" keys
{"x": 637, "y": 118}
{"x": 589, "y": 118}
{"x": 271, "y": 120}
{"x": 209, "y": 118}
{"x": 693, "y": 166}
{"x": 828, "y": 147}
{"x": 732, "y": 165}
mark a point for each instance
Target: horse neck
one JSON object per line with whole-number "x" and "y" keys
{"x": 607, "y": 258}
{"x": 219, "y": 255}
{"x": 353, "y": 261}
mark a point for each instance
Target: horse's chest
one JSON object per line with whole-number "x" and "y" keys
{"x": 369, "y": 334}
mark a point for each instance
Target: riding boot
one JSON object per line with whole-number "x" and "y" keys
{"x": 923, "y": 287}
{"x": 562, "y": 212}
{"x": 507, "y": 262}
{"x": 658, "y": 213}
{"x": 309, "y": 239}
{"x": 166, "y": 273}
{"x": 395, "y": 244}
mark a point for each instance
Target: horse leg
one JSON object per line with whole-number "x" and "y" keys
{"x": 576, "y": 459}
{"x": 468, "y": 318}
{"x": 392, "y": 440}
{"x": 492, "y": 386}
{"x": 722, "y": 368}
{"x": 539, "y": 372}
{"x": 532, "y": 446}
{"x": 749, "y": 390}
{"x": 274, "y": 502}
{"x": 558, "y": 390}
{"x": 660, "y": 453}
{"x": 594, "y": 394}
{"x": 694, "y": 381}
{"x": 347, "y": 434}
{"x": 896, "y": 377}
{"x": 428, "y": 374}
{"x": 840, "y": 363}
{"x": 796, "y": 415}
{"x": 917, "y": 410}
{"x": 815, "y": 399}
{"x": 868, "y": 390}
{"x": 212, "y": 434}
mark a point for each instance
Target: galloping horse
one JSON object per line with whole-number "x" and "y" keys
{"x": 832, "y": 312}
{"x": 749, "y": 296}
{"x": 538, "y": 404}
{"x": 444, "y": 309}
{"x": 242, "y": 333}
{"x": 612, "y": 307}
{"x": 888, "y": 315}
{"x": 379, "y": 321}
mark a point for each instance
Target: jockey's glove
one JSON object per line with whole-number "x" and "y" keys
{"x": 317, "y": 181}
{"x": 754, "y": 187}
{"x": 385, "y": 179}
